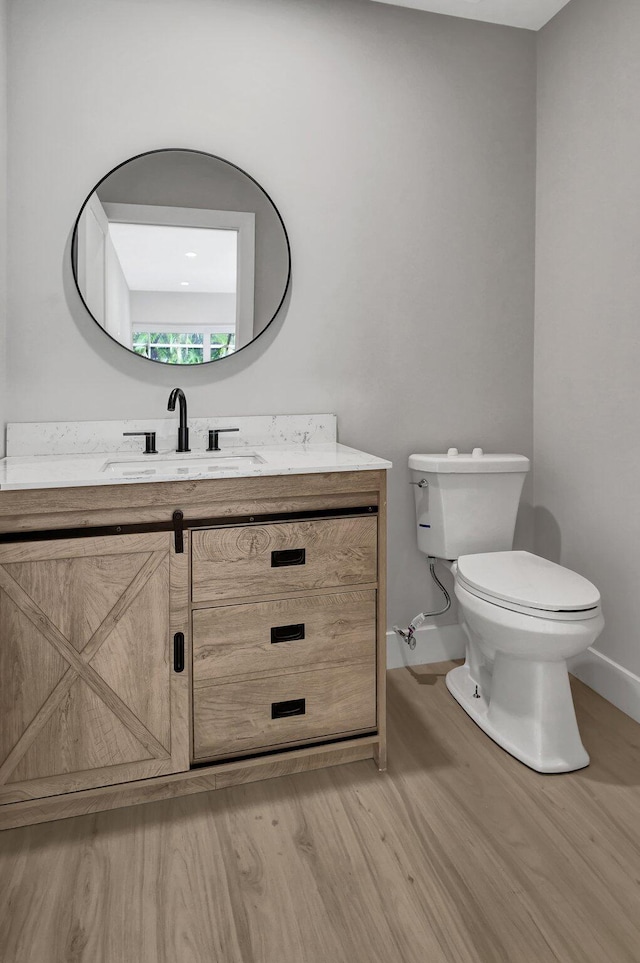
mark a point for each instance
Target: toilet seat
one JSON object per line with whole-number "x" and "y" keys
{"x": 529, "y": 584}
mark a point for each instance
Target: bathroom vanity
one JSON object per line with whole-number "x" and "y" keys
{"x": 163, "y": 637}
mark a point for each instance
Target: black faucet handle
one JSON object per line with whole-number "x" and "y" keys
{"x": 213, "y": 437}
{"x": 150, "y": 440}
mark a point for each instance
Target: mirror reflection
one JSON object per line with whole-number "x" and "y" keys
{"x": 180, "y": 257}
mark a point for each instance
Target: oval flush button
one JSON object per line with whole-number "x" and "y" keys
{"x": 452, "y": 452}
{"x": 477, "y": 453}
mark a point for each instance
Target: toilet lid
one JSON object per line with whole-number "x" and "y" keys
{"x": 529, "y": 580}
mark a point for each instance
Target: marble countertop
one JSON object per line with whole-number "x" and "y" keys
{"x": 126, "y": 468}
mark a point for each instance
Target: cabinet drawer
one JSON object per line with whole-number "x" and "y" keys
{"x": 269, "y": 637}
{"x": 259, "y": 560}
{"x": 239, "y": 717}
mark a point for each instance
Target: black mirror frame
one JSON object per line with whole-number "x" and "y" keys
{"x": 74, "y": 253}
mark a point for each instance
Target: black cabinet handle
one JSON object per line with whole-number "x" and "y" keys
{"x": 287, "y": 633}
{"x": 178, "y": 652}
{"x": 178, "y": 530}
{"x": 288, "y": 556}
{"x": 293, "y": 707}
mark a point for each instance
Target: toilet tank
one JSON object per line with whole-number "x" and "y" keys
{"x": 466, "y": 503}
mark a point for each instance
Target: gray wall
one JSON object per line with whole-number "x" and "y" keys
{"x": 587, "y": 341}
{"x": 3, "y": 220}
{"x": 399, "y": 148}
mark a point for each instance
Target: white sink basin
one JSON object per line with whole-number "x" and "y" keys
{"x": 207, "y": 463}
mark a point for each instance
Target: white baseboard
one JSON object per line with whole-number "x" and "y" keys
{"x": 611, "y": 680}
{"x": 439, "y": 643}
{"x": 434, "y": 643}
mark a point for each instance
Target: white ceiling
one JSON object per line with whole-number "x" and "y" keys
{"x": 530, "y": 14}
{"x": 154, "y": 258}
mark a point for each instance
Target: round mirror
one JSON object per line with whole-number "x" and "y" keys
{"x": 181, "y": 257}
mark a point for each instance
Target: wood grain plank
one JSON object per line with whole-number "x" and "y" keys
{"x": 86, "y": 547}
{"x": 293, "y": 761}
{"x": 51, "y": 791}
{"x": 162, "y": 511}
{"x": 339, "y": 552}
{"x": 36, "y": 725}
{"x": 381, "y": 681}
{"x": 223, "y": 496}
{"x": 236, "y": 717}
{"x": 30, "y": 669}
{"x": 503, "y": 824}
{"x": 60, "y": 692}
{"x": 181, "y": 682}
{"x": 66, "y": 745}
{"x": 82, "y": 669}
{"x": 457, "y": 854}
{"x": 275, "y": 596}
{"x": 127, "y": 598}
{"x": 31, "y": 810}
{"x": 236, "y": 640}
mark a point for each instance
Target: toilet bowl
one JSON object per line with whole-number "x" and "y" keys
{"x": 523, "y": 616}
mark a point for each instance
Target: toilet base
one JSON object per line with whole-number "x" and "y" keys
{"x": 529, "y": 713}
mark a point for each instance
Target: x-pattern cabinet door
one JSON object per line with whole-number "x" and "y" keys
{"x": 88, "y": 692}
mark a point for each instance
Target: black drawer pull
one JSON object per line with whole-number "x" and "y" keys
{"x": 288, "y": 556}
{"x": 287, "y": 633}
{"x": 293, "y": 707}
{"x": 178, "y": 652}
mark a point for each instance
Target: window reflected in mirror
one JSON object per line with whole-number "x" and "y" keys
{"x": 183, "y": 281}
{"x": 187, "y": 347}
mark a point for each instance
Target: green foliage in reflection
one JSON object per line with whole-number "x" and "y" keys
{"x": 183, "y": 347}
{"x": 169, "y": 347}
{"x": 221, "y": 345}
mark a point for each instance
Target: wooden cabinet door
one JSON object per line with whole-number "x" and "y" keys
{"x": 88, "y": 692}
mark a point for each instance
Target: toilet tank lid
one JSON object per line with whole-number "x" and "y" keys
{"x": 529, "y": 580}
{"x": 452, "y": 461}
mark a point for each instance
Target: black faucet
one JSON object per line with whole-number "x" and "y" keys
{"x": 183, "y": 430}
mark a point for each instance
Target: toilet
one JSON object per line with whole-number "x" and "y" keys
{"x": 523, "y": 616}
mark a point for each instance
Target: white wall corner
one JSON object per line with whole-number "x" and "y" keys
{"x": 610, "y": 680}
{"x": 434, "y": 643}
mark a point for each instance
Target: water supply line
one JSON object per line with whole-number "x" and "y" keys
{"x": 414, "y": 624}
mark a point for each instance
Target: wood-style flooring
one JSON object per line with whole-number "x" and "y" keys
{"x": 458, "y": 853}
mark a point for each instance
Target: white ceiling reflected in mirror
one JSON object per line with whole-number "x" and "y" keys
{"x": 180, "y": 257}
{"x": 166, "y": 258}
